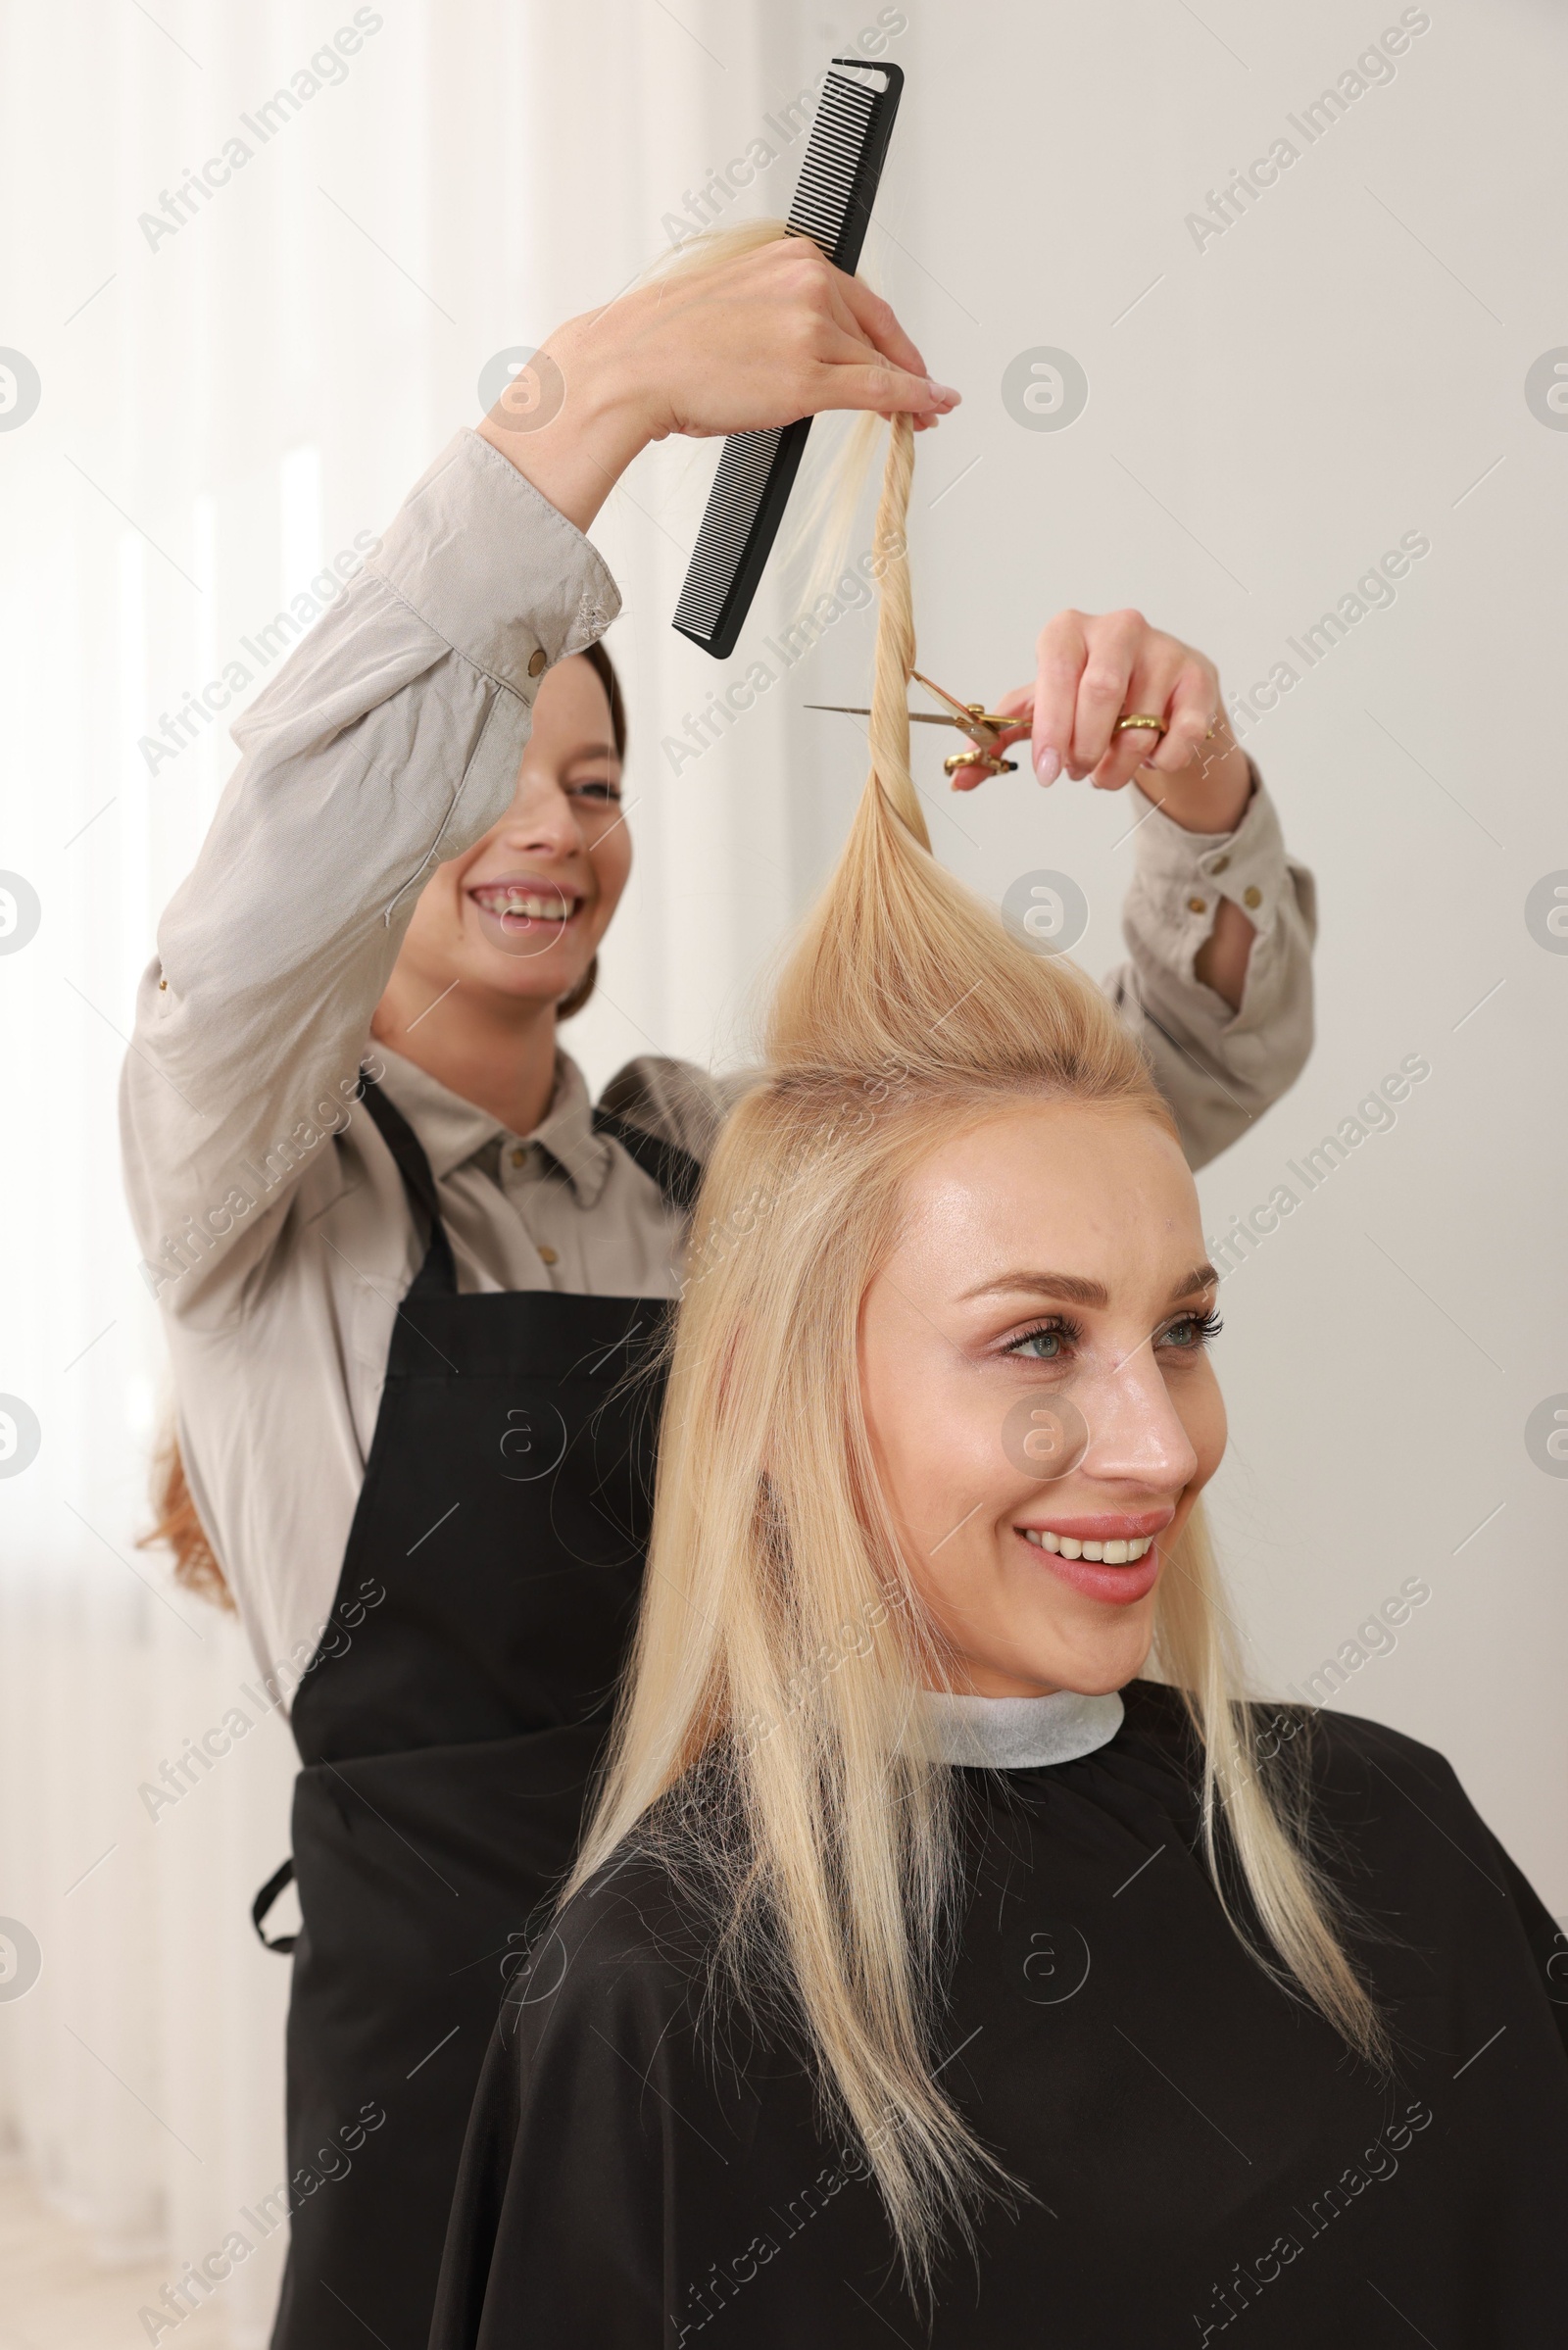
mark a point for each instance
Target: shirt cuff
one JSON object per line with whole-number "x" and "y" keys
{"x": 1183, "y": 875}
{"x": 493, "y": 568}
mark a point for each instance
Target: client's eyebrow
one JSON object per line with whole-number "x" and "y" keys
{"x": 1073, "y": 1290}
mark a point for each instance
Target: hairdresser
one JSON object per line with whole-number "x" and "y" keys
{"x": 405, "y": 1263}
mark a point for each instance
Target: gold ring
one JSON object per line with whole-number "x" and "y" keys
{"x": 1139, "y": 719}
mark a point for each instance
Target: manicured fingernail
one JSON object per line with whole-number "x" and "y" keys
{"x": 1048, "y": 763}
{"x": 943, "y": 394}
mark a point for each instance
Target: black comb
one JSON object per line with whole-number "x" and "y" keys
{"x": 757, "y": 471}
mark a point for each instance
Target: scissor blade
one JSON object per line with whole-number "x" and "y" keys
{"x": 917, "y": 718}
{"x": 942, "y": 694}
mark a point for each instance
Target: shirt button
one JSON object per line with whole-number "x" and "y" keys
{"x": 538, "y": 662}
{"x": 1252, "y": 894}
{"x": 1197, "y": 905}
{"x": 1219, "y": 864}
{"x": 548, "y": 1257}
{"x": 519, "y": 1159}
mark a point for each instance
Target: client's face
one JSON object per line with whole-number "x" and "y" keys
{"x": 1050, "y": 1285}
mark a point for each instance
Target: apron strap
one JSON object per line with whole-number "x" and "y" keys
{"x": 282, "y": 1943}
{"x": 438, "y": 1275}
{"x": 676, "y": 1171}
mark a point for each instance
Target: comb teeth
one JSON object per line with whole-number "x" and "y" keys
{"x": 831, "y": 163}
{"x": 733, "y": 505}
{"x": 832, "y": 203}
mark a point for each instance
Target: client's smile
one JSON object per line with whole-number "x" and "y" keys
{"x": 1108, "y": 1556}
{"x": 1112, "y": 1538}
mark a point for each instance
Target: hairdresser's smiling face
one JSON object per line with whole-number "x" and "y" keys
{"x": 1053, "y": 1253}
{"x": 523, "y": 913}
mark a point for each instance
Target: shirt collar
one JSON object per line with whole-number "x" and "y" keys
{"x": 1020, "y": 1733}
{"x": 454, "y": 1131}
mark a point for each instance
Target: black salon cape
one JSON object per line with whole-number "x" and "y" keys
{"x": 1205, "y": 2159}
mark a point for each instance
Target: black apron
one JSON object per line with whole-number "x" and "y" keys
{"x": 449, "y": 1726}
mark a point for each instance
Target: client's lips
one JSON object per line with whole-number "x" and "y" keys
{"x": 1106, "y": 1554}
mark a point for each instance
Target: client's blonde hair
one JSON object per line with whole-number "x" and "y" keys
{"x": 770, "y": 1723}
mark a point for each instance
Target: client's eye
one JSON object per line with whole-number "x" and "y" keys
{"x": 1047, "y": 1342}
{"x": 597, "y": 787}
{"x": 1190, "y": 1333}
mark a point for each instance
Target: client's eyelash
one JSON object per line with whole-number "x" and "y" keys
{"x": 1208, "y": 1326}
{"x": 1053, "y": 1326}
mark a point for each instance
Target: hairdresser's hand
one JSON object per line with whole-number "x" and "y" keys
{"x": 1095, "y": 667}
{"x": 738, "y": 346}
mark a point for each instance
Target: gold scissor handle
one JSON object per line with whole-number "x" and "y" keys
{"x": 992, "y": 762}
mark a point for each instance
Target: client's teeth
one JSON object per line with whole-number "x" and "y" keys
{"x": 1113, "y": 1555}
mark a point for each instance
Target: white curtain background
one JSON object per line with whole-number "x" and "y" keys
{"x": 1271, "y": 404}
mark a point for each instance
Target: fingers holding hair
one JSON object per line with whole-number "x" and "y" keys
{"x": 876, "y": 322}
{"x": 876, "y": 365}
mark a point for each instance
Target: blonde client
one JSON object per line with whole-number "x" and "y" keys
{"x": 954, "y": 1956}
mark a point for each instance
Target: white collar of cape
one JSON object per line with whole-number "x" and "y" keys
{"x": 1020, "y": 1733}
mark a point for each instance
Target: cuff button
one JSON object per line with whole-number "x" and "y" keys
{"x": 538, "y": 662}
{"x": 1252, "y": 894}
{"x": 1197, "y": 905}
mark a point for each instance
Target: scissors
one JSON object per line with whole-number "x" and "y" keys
{"x": 983, "y": 727}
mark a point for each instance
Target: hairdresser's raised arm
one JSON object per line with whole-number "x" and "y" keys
{"x": 737, "y": 345}
{"x": 1220, "y": 921}
{"x": 391, "y": 737}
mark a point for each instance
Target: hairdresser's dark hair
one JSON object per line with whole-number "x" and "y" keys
{"x": 603, "y": 668}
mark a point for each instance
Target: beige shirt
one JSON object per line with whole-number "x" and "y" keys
{"x": 273, "y": 1224}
